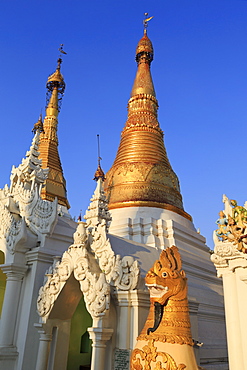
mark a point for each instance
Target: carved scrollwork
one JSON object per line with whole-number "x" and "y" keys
{"x": 125, "y": 273}
{"x": 93, "y": 262}
{"x": 81, "y": 266}
{"x": 223, "y": 251}
{"x": 93, "y": 284}
{"x": 45, "y": 301}
{"x": 54, "y": 281}
{"x": 218, "y": 261}
{"x": 226, "y": 249}
{"x": 11, "y": 230}
{"x": 80, "y": 235}
{"x": 39, "y": 214}
{"x": 97, "y": 210}
{"x": 96, "y": 293}
{"x": 26, "y": 183}
{"x": 121, "y": 273}
{"x": 142, "y": 359}
{"x": 21, "y": 205}
{"x": 65, "y": 267}
{"x": 101, "y": 246}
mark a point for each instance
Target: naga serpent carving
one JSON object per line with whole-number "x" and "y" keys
{"x": 165, "y": 341}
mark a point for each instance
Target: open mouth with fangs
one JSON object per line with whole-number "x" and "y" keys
{"x": 157, "y": 291}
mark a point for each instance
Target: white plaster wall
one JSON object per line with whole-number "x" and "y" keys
{"x": 120, "y": 216}
{"x": 61, "y": 346}
{"x": 159, "y": 229}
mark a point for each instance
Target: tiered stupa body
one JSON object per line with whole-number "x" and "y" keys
{"x": 141, "y": 181}
{"x": 141, "y": 174}
{"x": 55, "y": 185}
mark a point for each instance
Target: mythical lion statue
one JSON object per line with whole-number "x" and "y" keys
{"x": 165, "y": 341}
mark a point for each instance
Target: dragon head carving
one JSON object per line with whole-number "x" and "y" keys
{"x": 166, "y": 278}
{"x": 166, "y": 281}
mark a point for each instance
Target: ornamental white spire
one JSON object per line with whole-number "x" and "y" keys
{"x": 29, "y": 172}
{"x": 98, "y": 208}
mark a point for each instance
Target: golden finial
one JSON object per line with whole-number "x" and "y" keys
{"x": 99, "y": 172}
{"x": 145, "y": 22}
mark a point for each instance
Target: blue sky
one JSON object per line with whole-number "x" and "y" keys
{"x": 200, "y": 77}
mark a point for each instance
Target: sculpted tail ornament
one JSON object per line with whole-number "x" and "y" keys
{"x": 165, "y": 341}
{"x": 232, "y": 228}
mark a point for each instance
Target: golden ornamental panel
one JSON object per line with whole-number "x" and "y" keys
{"x": 149, "y": 358}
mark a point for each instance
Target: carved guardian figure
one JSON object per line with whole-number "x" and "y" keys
{"x": 165, "y": 341}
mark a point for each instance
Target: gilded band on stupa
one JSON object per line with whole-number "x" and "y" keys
{"x": 141, "y": 174}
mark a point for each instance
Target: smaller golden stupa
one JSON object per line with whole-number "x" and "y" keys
{"x": 55, "y": 185}
{"x": 141, "y": 174}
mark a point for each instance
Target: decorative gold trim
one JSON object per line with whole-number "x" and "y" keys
{"x": 142, "y": 203}
{"x": 141, "y": 359}
{"x": 168, "y": 338}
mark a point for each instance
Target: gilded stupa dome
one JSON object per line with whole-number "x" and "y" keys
{"x": 141, "y": 174}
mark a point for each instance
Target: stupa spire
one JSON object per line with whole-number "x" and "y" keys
{"x": 141, "y": 174}
{"x": 55, "y": 185}
{"x": 143, "y": 83}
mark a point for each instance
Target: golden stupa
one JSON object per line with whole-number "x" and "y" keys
{"x": 55, "y": 185}
{"x": 141, "y": 174}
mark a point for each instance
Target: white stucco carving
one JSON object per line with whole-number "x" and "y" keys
{"x": 97, "y": 210}
{"x": 223, "y": 251}
{"x": 11, "y": 230}
{"x": 120, "y": 273}
{"x": 93, "y": 263}
{"x": 29, "y": 172}
{"x": 101, "y": 246}
{"x": 125, "y": 273}
{"x": 92, "y": 282}
{"x": 21, "y": 205}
